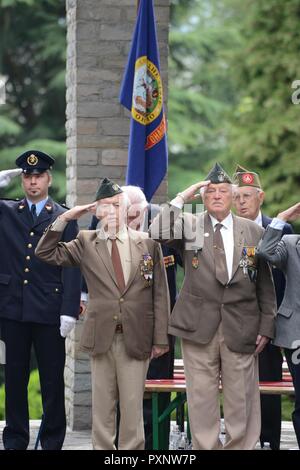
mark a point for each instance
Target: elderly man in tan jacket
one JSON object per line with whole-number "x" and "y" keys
{"x": 127, "y": 314}
{"x": 224, "y": 313}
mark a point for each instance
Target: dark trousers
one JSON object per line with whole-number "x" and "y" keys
{"x": 160, "y": 368}
{"x": 270, "y": 369}
{"x": 49, "y": 349}
{"x": 295, "y": 373}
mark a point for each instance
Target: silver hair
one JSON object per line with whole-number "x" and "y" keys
{"x": 236, "y": 187}
{"x": 135, "y": 196}
{"x": 126, "y": 199}
{"x": 204, "y": 188}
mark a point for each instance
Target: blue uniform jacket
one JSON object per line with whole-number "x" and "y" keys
{"x": 31, "y": 290}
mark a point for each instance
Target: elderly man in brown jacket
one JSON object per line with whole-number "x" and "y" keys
{"x": 224, "y": 314}
{"x": 127, "y": 314}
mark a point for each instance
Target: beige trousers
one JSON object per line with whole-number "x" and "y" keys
{"x": 118, "y": 377}
{"x": 203, "y": 365}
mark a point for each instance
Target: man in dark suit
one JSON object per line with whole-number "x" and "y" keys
{"x": 39, "y": 305}
{"x": 248, "y": 200}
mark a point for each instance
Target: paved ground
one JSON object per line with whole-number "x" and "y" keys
{"x": 81, "y": 440}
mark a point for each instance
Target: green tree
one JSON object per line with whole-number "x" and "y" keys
{"x": 264, "y": 133}
{"x": 32, "y": 56}
{"x": 201, "y": 93}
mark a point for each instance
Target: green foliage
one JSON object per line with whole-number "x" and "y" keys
{"x": 265, "y": 131}
{"x": 232, "y": 65}
{"x": 200, "y": 88}
{"x": 58, "y": 149}
{"x": 34, "y": 397}
{"x": 32, "y": 56}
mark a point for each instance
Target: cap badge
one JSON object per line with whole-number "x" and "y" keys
{"x": 32, "y": 160}
{"x": 248, "y": 178}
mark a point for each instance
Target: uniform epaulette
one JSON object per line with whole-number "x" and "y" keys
{"x": 64, "y": 206}
{"x": 10, "y": 199}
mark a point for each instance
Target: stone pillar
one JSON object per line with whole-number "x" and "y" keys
{"x": 98, "y": 41}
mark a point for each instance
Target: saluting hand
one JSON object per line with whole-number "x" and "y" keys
{"x": 77, "y": 212}
{"x": 192, "y": 192}
{"x": 7, "y": 175}
{"x": 290, "y": 214}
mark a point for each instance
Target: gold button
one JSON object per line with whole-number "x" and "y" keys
{"x": 25, "y": 281}
{"x": 31, "y": 234}
{"x": 26, "y": 270}
{"x": 29, "y": 245}
{"x": 121, "y": 299}
{"x": 27, "y": 257}
{"x": 116, "y": 317}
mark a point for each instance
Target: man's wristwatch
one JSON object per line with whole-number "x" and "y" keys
{"x": 181, "y": 196}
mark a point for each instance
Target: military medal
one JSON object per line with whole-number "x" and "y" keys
{"x": 243, "y": 265}
{"x": 247, "y": 262}
{"x": 169, "y": 261}
{"x": 146, "y": 266}
{"x": 195, "y": 260}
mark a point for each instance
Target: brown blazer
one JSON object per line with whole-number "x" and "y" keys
{"x": 144, "y": 310}
{"x": 246, "y": 308}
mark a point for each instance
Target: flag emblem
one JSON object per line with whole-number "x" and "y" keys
{"x": 147, "y": 92}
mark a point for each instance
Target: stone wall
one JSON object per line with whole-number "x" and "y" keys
{"x": 98, "y": 41}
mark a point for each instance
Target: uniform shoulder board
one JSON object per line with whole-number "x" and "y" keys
{"x": 64, "y": 206}
{"x": 10, "y": 199}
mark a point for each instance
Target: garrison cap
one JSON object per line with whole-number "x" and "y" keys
{"x": 243, "y": 177}
{"x": 218, "y": 175}
{"x": 106, "y": 189}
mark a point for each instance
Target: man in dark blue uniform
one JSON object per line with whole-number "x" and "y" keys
{"x": 248, "y": 199}
{"x": 39, "y": 305}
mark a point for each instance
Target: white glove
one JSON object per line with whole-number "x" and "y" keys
{"x": 7, "y": 175}
{"x": 66, "y": 325}
{"x": 2, "y": 352}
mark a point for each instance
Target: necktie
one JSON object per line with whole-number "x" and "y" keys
{"x": 33, "y": 212}
{"x": 116, "y": 261}
{"x": 220, "y": 257}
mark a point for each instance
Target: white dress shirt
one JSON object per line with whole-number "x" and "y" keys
{"x": 228, "y": 239}
{"x": 226, "y": 232}
{"x": 278, "y": 224}
{"x": 258, "y": 219}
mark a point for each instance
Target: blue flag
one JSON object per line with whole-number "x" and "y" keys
{"x": 142, "y": 94}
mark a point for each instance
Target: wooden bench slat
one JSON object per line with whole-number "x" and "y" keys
{"x": 179, "y": 385}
